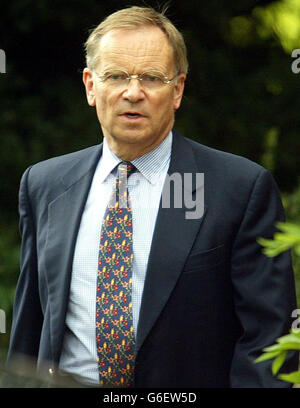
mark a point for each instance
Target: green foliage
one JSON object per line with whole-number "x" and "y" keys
{"x": 279, "y": 351}
{"x": 281, "y": 19}
{"x": 291, "y": 204}
{"x": 288, "y": 238}
{"x": 291, "y": 377}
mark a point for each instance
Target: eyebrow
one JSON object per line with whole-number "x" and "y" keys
{"x": 115, "y": 68}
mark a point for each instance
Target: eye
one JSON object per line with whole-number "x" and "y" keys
{"x": 151, "y": 78}
{"x": 116, "y": 76}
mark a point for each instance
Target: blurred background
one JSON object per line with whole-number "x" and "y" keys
{"x": 241, "y": 95}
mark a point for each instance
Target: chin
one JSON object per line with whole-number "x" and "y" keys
{"x": 132, "y": 137}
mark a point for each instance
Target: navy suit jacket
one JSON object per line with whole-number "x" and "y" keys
{"x": 211, "y": 302}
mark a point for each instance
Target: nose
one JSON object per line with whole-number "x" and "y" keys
{"x": 134, "y": 91}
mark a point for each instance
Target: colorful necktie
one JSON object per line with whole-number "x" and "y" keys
{"x": 114, "y": 326}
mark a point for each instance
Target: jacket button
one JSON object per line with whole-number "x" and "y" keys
{"x": 51, "y": 371}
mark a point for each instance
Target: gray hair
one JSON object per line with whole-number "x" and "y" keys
{"x": 133, "y": 17}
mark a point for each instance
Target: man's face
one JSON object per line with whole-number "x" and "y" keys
{"x": 134, "y": 51}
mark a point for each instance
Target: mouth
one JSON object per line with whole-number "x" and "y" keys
{"x": 132, "y": 115}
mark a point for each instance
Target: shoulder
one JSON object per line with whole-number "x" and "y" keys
{"x": 57, "y": 164}
{"x": 232, "y": 177}
{"x": 55, "y": 167}
{"x": 233, "y": 172}
{"x": 213, "y": 159}
{"x": 45, "y": 178}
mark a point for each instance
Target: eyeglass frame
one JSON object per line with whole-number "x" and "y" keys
{"x": 138, "y": 76}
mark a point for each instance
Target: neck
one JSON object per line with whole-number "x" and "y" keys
{"x": 131, "y": 151}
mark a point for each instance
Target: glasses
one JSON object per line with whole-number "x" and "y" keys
{"x": 120, "y": 79}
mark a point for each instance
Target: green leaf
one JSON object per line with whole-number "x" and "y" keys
{"x": 289, "y": 338}
{"x": 277, "y": 363}
{"x": 266, "y": 242}
{"x": 293, "y": 377}
{"x": 296, "y": 331}
{"x": 267, "y": 356}
{"x": 285, "y": 238}
{"x": 270, "y": 349}
{"x": 289, "y": 227}
{"x": 271, "y": 253}
{"x": 288, "y": 238}
{"x": 283, "y": 346}
{"x": 290, "y": 346}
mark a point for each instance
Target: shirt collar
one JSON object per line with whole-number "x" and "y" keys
{"x": 149, "y": 165}
{"x": 108, "y": 163}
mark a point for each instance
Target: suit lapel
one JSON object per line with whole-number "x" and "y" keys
{"x": 173, "y": 234}
{"x": 64, "y": 215}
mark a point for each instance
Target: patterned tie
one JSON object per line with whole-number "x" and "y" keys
{"x": 114, "y": 326}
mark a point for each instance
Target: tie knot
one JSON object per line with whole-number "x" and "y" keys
{"x": 125, "y": 169}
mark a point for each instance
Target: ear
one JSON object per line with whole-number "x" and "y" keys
{"x": 88, "y": 80}
{"x": 178, "y": 91}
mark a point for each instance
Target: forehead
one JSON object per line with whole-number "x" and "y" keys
{"x": 135, "y": 49}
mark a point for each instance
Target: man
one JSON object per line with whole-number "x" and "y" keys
{"x": 142, "y": 295}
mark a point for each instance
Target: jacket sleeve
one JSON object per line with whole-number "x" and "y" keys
{"x": 264, "y": 289}
{"x": 27, "y": 313}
